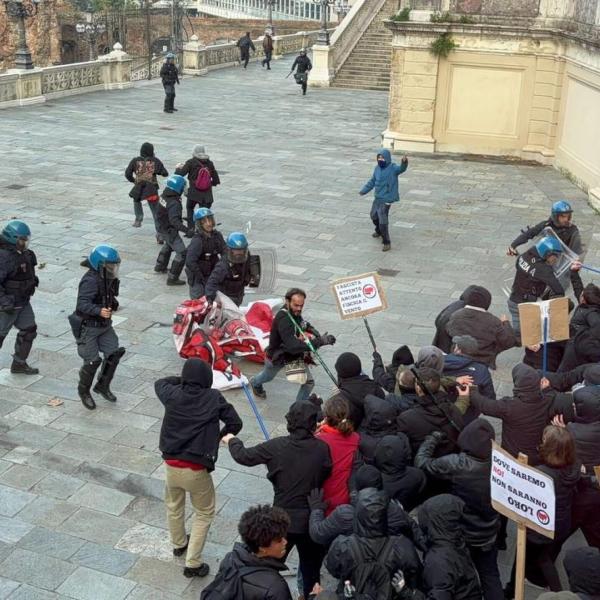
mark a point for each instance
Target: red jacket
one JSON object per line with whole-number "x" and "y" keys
{"x": 342, "y": 449}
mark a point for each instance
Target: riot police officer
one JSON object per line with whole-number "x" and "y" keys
{"x": 92, "y": 323}
{"x": 17, "y": 284}
{"x": 535, "y": 278}
{"x": 204, "y": 251}
{"x": 170, "y": 223}
{"x": 169, "y": 74}
{"x": 561, "y": 222}
{"x": 232, "y": 273}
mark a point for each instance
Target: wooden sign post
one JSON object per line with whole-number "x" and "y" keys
{"x": 526, "y": 496}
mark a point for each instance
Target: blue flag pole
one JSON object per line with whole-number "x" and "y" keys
{"x": 255, "y": 410}
{"x": 545, "y": 350}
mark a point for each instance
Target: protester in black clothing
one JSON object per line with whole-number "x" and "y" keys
{"x": 203, "y": 253}
{"x": 287, "y": 348}
{"x": 433, "y": 413}
{"x": 355, "y": 385}
{"x": 170, "y": 225}
{"x": 379, "y": 421}
{"x": 142, "y": 171}
{"x": 202, "y": 177}
{"x": 303, "y": 66}
{"x": 441, "y": 338}
{"x": 583, "y": 570}
{"x": 189, "y": 442}
{"x": 386, "y": 377}
{"x": 296, "y": 464}
{"x": 323, "y": 530}
{"x": 170, "y": 76}
{"x": 401, "y": 481}
{"x": 559, "y": 461}
{"x": 245, "y": 44}
{"x": 255, "y": 564}
{"x": 469, "y": 474}
{"x": 370, "y": 557}
{"x": 448, "y": 571}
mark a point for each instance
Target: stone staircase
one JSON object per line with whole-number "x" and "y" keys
{"x": 369, "y": 64}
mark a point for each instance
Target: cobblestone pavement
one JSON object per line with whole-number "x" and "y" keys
{"x": 81, "y": 512}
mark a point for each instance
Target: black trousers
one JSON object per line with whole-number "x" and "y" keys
{"x": 486, "y": 563}
{"x": 245, "y": 56}
{"x": 539, "y": 566}
{"x": 311, "y": 557}
{"x": 267, "y": 59}
{"x": 586, "y": 505}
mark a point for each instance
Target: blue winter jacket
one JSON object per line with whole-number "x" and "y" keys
{"x": 385, "y": 181}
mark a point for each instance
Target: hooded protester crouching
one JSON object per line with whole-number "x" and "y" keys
{"x": 448, "y": 571}
{"x": 370, "y": 556}
{"x": 189, "y": 442}
{"x": 401, "y": 481}
{"x": 296, "y": 464}
{"x": 441, "y": 339}
{"x": 355, "y": 385}
{"x": 469, "y": 474}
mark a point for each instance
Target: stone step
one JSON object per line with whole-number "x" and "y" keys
{"x": 355, "y": 86}
{"x": 371, "y": 78}
{"x": 363, "y": 80}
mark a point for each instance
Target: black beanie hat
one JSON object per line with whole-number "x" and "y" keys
{"x": 198, "y": 372}
{"x": 478, "y": 296}
{"x": 368, "y": 476}
{"x": 348, "y": 365}
{"x": 476, "y": 439}
{"x": 402, "y": 356}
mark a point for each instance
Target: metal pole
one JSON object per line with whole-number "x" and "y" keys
{"x": 22, "y": 55}
{"x": 323, "y": 39}
{"x": 148, "y": 39}
{"x": 91, "y": 46}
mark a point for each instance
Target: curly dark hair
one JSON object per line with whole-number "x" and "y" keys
{"x": 261, "y": 525}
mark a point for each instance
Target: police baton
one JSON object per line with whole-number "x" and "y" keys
{"x": 289, "y": 74}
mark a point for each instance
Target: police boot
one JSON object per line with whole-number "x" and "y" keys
{"x": 86, "y": 378}
{"x": 162, "y": 262}
{"x": 23, "y": 345}
{"x": 109, "y": 366}
{"x": 175, "y": 272}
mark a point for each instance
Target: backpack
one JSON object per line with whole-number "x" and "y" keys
{"x": 144, "y": 171}
{"x": 228, "y": 586}
{"x": 203, "y": 181}
{"x": 371, "y": 578}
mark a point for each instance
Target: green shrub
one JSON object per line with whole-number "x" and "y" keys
{"x": 443, "y": 45}
{"x": 438, "y": 17}
{"x": 403, "y": 15}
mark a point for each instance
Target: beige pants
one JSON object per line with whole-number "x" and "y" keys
{"x": 199, "y": 484}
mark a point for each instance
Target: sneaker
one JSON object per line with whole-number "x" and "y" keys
{"x": 258, "y": 392}
{"x": 23, "y": 368}
{"x": 386, "y": 247}
{"x": 167, "y": 111}
{"x": 376, "y": 234}
{"x": 201, "y": 571}
{"x": 158, "y": 269}
{"x": 181, "y": 551}
{"x": 175, "y": 282}
{"x": 174, "y": 109}
{"x": 136, "y": 223}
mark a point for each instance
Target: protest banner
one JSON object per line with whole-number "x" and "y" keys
{"x": 524, "y": 495}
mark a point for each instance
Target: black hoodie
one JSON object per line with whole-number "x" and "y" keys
{"x": 190, "y": 429}
{"x": 448, "y": 571}
{"x": 296, "y": 463}
{"x": 525, "y": 415}
{"x": 142, "y": 190}
{"x": 401, "y": 481}
{"x": 583, "y": 569}
{"x": 261, "y": 581}
{"x": 469, "y": 473}
{"x": 379, "y": 421}
{"x": 370, "y": 530}
{"x": 586, "y": 426}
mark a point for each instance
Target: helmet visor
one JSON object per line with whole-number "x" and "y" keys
{"x": 206, "y": 224}
{"x": 22, "y": 243}
{"x": 111, "y": 270}
{"x": 237, "y": 256}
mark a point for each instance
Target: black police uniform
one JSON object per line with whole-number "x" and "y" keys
{"x": 202, "y": 256}
{"x": 95, "y": 334}
{"x": 169, "y": 74}
{"x": 169, "y": 218}
{"x": 17, "y": 285}
{"x": 229, "y": 279}
{"x": 304, "y": 66}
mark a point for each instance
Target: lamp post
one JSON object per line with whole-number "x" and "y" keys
{"x": 323, "y": 39}
{"x": 270, "y": 5}
{"x": 92, "y": 29}
{"x": 20, "y": 11}
{"x": 341, "y": 8}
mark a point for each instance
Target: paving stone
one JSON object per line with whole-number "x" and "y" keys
{"x": 138, "y": 485}
{"x": 101, "y": 498}
{"x": 104, "y": 558}
{"x": 12, "y": 530}
{"x": 22, "y": 476}
{"x": 132, "y": 459}
{"x": 47, "y": 512}
{"x": 27, "y": 592}
{"x": 160, "y": 574}
{"x": 100, "y": 474}
{"x": 7, "y": 587}
{"x": 145, "y": 592}
{"x": 33, "y": 436}
{"x": 95, "y": 526}
{"x": 82, "y": 448}
{"x": 86, "y": 584}
{"x": 36, "y": 569}
{"x": 148, "y": 541}
{"x": 53, "y": 543}
{"x": 87, "y": 426}
{"x": 147, "y": 510}
{"x": 135, "y": 438}
{"x": 49, "y": 461}
{"x": 58, "y": 485}
{"x": 13, "y": 500}
{"x": 36, "y": 415}
{"x": 246, "y": 487}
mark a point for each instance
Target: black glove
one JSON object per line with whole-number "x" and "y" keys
{"x": 439, "y": 436}
{"x": 327, "y": 339}
{"x": 316, "y": 400}
{"x": 315, "y": 500}
{"x": 377, "y": 359}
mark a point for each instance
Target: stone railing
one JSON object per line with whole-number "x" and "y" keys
{"x": 282, "y": 9}
{"x": 20, "y": 87}
{"x": 140, "y": 69}
{"x": 327, "y": 60}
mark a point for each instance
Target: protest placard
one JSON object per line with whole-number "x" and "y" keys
{"x": 359, "y": 296}
{"x": 532, "y": 315}
{"x": 522, "y": 493}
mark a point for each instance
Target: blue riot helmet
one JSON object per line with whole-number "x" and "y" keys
{"x": 548, "y": 246}
{"x": 204, "y": 218}
{"x": 176, "y": 183}
{"x": 17, "y": 233}
{"x": 105, "y": 258}
{"x": 237, "y": 248}
{"x": 562, "y": 207}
